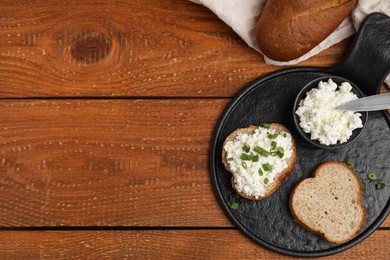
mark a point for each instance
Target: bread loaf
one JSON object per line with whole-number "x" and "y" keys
{"x": 330, "y": 203}
{"x": 288, "y": 29}
{"x": 257, "y": 178}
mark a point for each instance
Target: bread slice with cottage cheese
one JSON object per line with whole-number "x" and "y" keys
{"x": 330, "y": 203}
{"x": 253, "y": 184}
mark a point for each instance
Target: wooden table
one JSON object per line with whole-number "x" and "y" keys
{"x": 106, "y": 115}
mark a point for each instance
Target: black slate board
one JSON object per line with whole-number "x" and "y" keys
{"x": 269, "y": 222}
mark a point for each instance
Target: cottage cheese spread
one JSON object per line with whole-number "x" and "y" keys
{"x": 319, "y": 117}
{"x": 256, "y": 159}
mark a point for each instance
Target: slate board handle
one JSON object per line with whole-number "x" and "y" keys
{"x": 368, "y": 61}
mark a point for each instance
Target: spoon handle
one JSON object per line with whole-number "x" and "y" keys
{"x": 371, "y": 103}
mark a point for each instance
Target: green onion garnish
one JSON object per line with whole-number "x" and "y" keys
{"x": 272, "y": 136}
{"x": 380, "y": 186}
{"x": 266, "y": 180}
{"x": 267, "y": 167}
{"x": 371, "y": 176}
{"x": 364, "y": 186}
{"x": 244, "y": 165}
{"x": 280, "y": 152}
{"x": 247, "y": 157}
{"x": 232, "y": 204}
{"x": 274, "y": 144}
{"x": 349, "y": 162}
{"x": 285, "y": 135}
{"x": 261, "y": 151}
{"x": 255, "y": 158}
{"x": 265, "y": 125}
{"x": 230, "y": 159}
{"x": 260, "y": 172}
{"x": 235, "y": 203}
{"x": 245, "y": 148}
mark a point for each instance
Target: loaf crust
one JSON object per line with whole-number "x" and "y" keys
{"x": 329, "y": 169}
{"x": 279, "y": 178}
{"x": 288, "y": 29}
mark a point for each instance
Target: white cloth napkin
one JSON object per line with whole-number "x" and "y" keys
{"x": 242, "y": 17}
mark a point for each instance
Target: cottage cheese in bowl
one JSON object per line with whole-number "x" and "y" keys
{"x": 319, "y": 118}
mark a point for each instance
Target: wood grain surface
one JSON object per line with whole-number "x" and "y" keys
{"x": 112, "y": 162}
{"x": 107, "y": 110}
{"x": 168, "y": 244}
{"x": 125, "y": 48}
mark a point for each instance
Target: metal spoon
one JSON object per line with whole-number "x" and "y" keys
{"x": 370, "y": 103}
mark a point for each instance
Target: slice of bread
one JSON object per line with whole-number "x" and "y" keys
{"x": 279, "y": 177}
{"x": 330, "y": 203}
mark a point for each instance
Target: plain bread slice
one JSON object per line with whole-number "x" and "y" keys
{"x": 330, "y": 203}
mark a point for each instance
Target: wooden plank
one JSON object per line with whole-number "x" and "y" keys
{"x": 125, "y": 48}
{"x": 118, "y": 162}
{"x": 386, "y": 223}
{"x": 108, "y": 163}
{"x": 176, "y": 244}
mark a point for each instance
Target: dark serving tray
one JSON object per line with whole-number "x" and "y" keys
{"x": 270, "y": 100}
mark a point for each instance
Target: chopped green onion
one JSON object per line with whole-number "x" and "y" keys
{"x": 265, "y": 125}
{"x": 261, "y": 151}
{"x": 285, "y": 135}
{"x": 246, "y": 157}
{"x": 255, "y": 158}
{"x": 274, "y": 144}
{"x": 272, "y": 136}
{"x": 260, "y": 172}
{"x": 364, "y": 186}
{"x": 245, "y": 148}
{"x": 371, "y": 176}
{"x": 230, "y": 159}
{"x": 274, "y": 153}
{"x": 349, "y": 162}
{"x": 244, "y": 165}
{"x": 267, "y": 167}
{"x": 380, "y": 186}
{"x": 233, "y": 205}
{"x": 280, "y": 152}
{"x": 266, "y": 180}
{"x": 264, "y": 153}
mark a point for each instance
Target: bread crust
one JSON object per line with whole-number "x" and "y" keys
{"x": 279, "y": 178}
{"x": 315, "y": 231}
{"x": 288, "y": 29}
